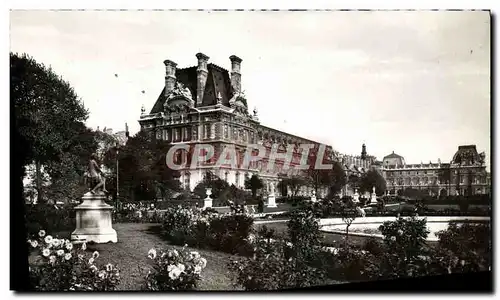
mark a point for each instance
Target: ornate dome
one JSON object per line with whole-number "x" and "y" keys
{"x": 393, "y": 159}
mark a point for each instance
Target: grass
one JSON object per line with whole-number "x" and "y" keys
{"x": 129, "y": 254}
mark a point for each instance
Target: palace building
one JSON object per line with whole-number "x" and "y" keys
{"x": 205, "y": 104}
{"x": 465, "y": 174}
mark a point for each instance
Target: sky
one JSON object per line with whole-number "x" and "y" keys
{"x": 413, "y": 82}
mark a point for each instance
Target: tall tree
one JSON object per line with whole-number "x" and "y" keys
{"x": 254, "y": 183}
{"x": 47, "y": 112}
{"x": 143, "y": 172}
{"x": 294, "y": 182}
{"x": 334, "y": 177}
{"x": 371, "y": 179}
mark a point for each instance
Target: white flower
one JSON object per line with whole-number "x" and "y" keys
{"x": 41, "y": 233}
{"x": 400, "y": 232}
{"x": 91, "y": 260}
{"x": 34, "y": 244}
{"x": 251, "y": 238}
{"x": 203, "y": 262}
{"x": 80, "y": 256}
{"x": 46, "y": 252}
{"x": 102, "y": 274}
{"x": 93, "y": 268}
{"x": 84, "y": 246}
{"x": 56, "y": 242}
{"x": 175, "y": 253}
{"x": 60, "y": 252}
{"x": 181, "y": 267}
{"x": 67, "y": 256}
{"x": 393, "y": 238}
{"x": 52, "y": 259}
{"x": 109, "y": 267}
{"x": 197, "y": 269}
{"x": 194, "y": 255}
{"x": 95, "y": 255}
{"x": 69, "y": 246}
{"x": 170, "y": 268}
{"x": 48, "y": 239}
{"x": 174, "y": 274}
{"x": 152, "y": 253}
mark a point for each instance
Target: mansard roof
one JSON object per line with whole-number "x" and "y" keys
{"x": 218, "y": 81}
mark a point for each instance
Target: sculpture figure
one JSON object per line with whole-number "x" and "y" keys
{"x": 95, "y": 176}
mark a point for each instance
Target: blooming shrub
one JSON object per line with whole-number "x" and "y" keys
{"x": 349, "y": 263}
{"x": 406, "y": 248}
{"x": 279, "y": 263}
{"x": 174, "y": 270}
{"x": 465, "y": 247}
{"x": 206, "y": 229}
{"x": 60, "y": 266}
{"x": 273, "y": 266}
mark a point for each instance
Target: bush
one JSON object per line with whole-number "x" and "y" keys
{"x": 59, "y": 266}
{"x": 353, "y": 264}
{"x": 47, "y": 217}
{"x": 273, "y": 267}
{"x": 229, "y": 233}
{"x": 469, "y": 244}
{"x": 224, "y": 232}
{"x": 174, "y": 270}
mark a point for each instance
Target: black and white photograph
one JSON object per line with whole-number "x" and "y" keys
{"x": 250, "y": 150}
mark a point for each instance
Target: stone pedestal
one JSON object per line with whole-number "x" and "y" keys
{"x": 271, "y": 200}
{"x": 207, "y": 202}
{"x": 93, "y": 220}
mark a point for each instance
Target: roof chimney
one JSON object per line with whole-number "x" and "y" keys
{"x": 169, "y": 76}
{"x": 235, "y": 73}
{"x": 202, "y": 72}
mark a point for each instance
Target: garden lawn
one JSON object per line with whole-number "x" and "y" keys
{"x": 129, "y": 254}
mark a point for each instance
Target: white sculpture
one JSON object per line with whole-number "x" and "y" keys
{"x": 313, "y": 196}
{"x": 355, "y": 197}
{"x": 271, "y": 199}
{"x": 374, "y": 197}
{"x": 208, "y": 201}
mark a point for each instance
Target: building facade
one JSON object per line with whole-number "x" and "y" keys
{"x": 204, "y": 104}
{"x": 465, "y": 174}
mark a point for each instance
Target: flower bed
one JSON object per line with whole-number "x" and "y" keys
{"x": 174, "y": 270}
{"x": 59, "y": 266}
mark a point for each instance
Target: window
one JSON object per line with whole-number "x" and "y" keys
{"x": 165, "y": 134}
{"x": 187, "y": 182}
{"x": 206, "y": 131}
{"x": 226, "y": 131}
{"x": 177, "y": 134}
{"x": 187, "y": 134}
{"x": 237, "y": 179}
